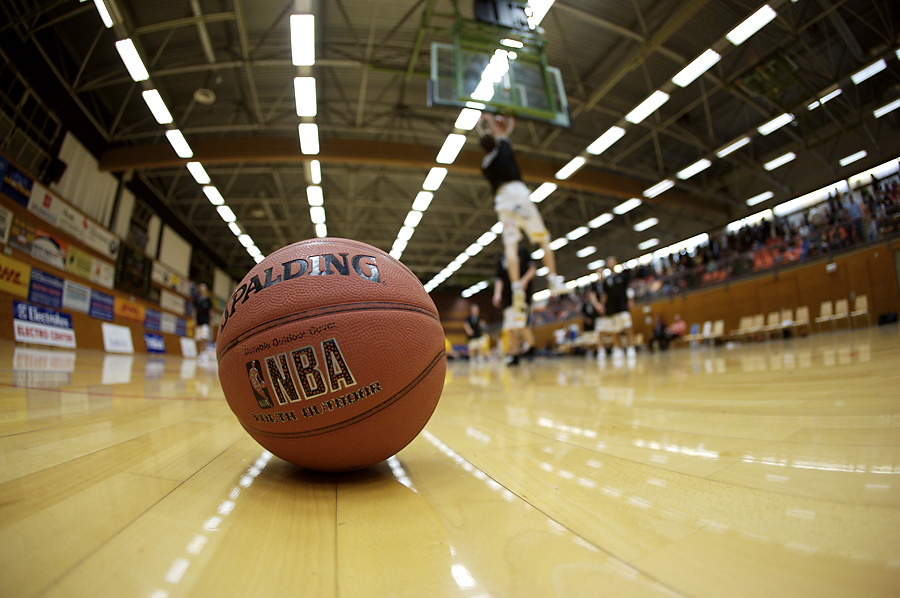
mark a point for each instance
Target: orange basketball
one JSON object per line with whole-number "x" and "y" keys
{"x": 331, "y": 354}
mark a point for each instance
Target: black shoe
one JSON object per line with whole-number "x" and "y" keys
{"x": 529, "y": 354}
{"x": 512, "y": 360}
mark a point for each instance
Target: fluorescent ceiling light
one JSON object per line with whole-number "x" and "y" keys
{"x": 497, "y": 228}
{"x": 645, "y": 224}
{"x": 305, "y": 95}
{"x": 213, "y": 195}
{"x": 451, "y": 148}
{"x": 697, "y": 67}
{"x": 558, "y": 243}
{"x": 751, "y": 25}
{"x": 474, "y": 249}
{"x": 254, "y": 250}
{"x": 179, "y": 143}
{"x": 732, "y": 147}
{"x": 603, "y": 219}
{"x": 648, "y": 244}
{"x": 541, "y": 193}
{"x": 258, "y": 258}
{"x": 321, "y": 230}
{"x": 314, "y": 195}
{"x": 538, "y": 9}
{"x": 486, "y": 239}
{"x": 132, "y": 59}
{"x": 698, "y": 166}
{"x": 578, "y": 233}
{"x": 413, "y": 219}
{"x": 775, "y": 124}
{"x": 399, "y": 245}
{"x": 235, "y": 228}
{"x": 434, "y": 179}
{"x": 405, "y": 233}
{"x": 303, "y": 40}
{"x": 647, "y": 107}
{"x": 605, "y": 141}
{"x": 104, "y": 13}
{"x": 863, "y": 74}
{"x": 315, "y": 172}
{"x": 659, "y": 188}
{"x": 831, "y": 95}
{"x": 853, "y": 157}
{"x": 198, "y": 172}
{"x": 596, "y": 264}
{"x": 309, "y": 138}
{"x": 157, "y": 107}
{"x": 586, "y": 251}
{"x": 570, "y": 168}
{"x": 889, "y": 107}
{"x": 541, "y": 295}
{"x": 246, "y": 240}
{"x": 760, "y": 198}
{"x": 226, "y": 214}
{"x": 422, "y": 201}
{"x": 779, "y": 161}
{"x": 512, "y": 43}
{"x": 467, "y": 119}
{"x": 627, "y": 206}
{"x": 317, "y": 214}
{"x": 537, "y": 254}
{"x": 542, "y": 271}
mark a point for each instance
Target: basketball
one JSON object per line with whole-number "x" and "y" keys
{"x": 331, "y": 354}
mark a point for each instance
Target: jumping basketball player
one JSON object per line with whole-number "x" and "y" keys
{"x": 513, "y": 204}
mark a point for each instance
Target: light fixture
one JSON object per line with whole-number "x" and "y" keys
{"x": 647, "y": 107}
{"x": 779, "y": 161}
{"x": 603, "y": 219}
{"x": 305, "y": 95}
{"x": 254, "y": 251}
{"x": 314, "y": 195}
{"x": 889, "y": 107}
{"x": 179, "y": 143}
{"x": 497, "y": 228}
{"x": 321, "y": 230}
{"x": 596, "y": 264}
{"x": 511, "y": 43}
{"x": 645, "y": 224}
{"x": 317, "y": 214}
{"x": 315, "y": 172}
{"x": 132, "y": 59}
{"x": 226, "y": 214}
{"x": 467, "y": 119}
{"x": 422, "y": 201}
{"x": 309, "y": 138}
{"x": 246, "y": 240}
{"x": 399, "y": 246}
{"x": 605, "y": 141}
{"x": 586, "y": 251}
{"x": 198, "y": 172}
{"x": 733, "y": 147}
{"x": 863, "y": 74}
{"x": 626, "y": 206}
{"x": 405, "y": 233}
{"x": 235, "y": 228}
{"x": 434, "y": 179}
{"x": 558, "y": 243}
{"x": 697, "y": 67}
{"x": 213, "y": 195}
{"x": 303, "y": 40}
{"x": 577, "y": 233}
{"x": 451, "y": 148}
{"x": 104, "y": 13}
{"x": 760, "y": 198}
{"x": 751, "y": 25}
{"x": 474, "y": 249}
{"x": 413, "y": 218}
{"x": 775, "y": 124}
{"x": 542, "y": 192}
{"x": 570, "y": 168}
{"x": 698, "y": 166}
{"x": 157, "y": 107}
{"x": 486, "y": 239}
{"x": 648, "y": 244}
{"x": 825, "y": 98}
{"x": 537, "y": 254}
{"x": 853, "y": 157}
{"x": 659, "y": 188}
{"x": 258, "y": 258}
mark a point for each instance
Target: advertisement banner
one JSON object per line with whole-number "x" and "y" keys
{"x": 152, "y": 319}
{"x": 180, "y": 326}
{"x": 172, "y": 302}
{"x": 17, "y": 185}
{"x": 49, "y": 248}
{"x": 167, "y": 323}
{"x": 76, "y": 297}
{"x": 44, "y": 204}
{"x": 155, "y": 343}
{"x": 45, "y": 289}
{"x": 6, "y": 218}
{"x": 129, "y": 310}
{"x": 15, "y": 276}
{"x": 21, "y": 235}
{"x": 117, "y": 339}
{"x": 33, "y": 324}
{"x": 79, "y": 263}
{"x": 102, "y": 305}
{"x": 103, "y": 273}
{"x": 188, "y": 347}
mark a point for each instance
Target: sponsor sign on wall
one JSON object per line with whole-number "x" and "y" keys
{"x": 155, "y": 343}
{"x": 103, "y": 273}
{"x": 188, "y": 347}
{"x": 45, "y": 289}
{"x": 152, "y": 319}
{"x": 49, "y": 248}
{"x": 15, "y": 276}
{"x": 172, "y": 302}
{"x": 129, "y": 310}
{"x": 6, "y": 218}
{"x": 17, "y": 185}
{"x": 167, "y": 323}
{"x": 33, "y": 324}
{"x": 79, "y": 263}
{"x": 117, "y": 339}
{"x": 102, "y": 305}
{"x": 76, "y": 297}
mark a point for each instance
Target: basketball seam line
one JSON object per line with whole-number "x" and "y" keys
{"x": 356, "y": 419}
{"x": 322, "y": 311}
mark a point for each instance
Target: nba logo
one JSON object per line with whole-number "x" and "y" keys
{"x": 254, "y": 374}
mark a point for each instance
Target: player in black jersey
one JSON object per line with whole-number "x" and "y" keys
{"x": 516, "y": 322}
{"x": 512, "y": 201}
{"x": 475, "y": 327}
{"x": 613, "y": 300}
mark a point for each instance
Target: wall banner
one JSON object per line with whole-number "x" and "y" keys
{"x": 33, "y": 324}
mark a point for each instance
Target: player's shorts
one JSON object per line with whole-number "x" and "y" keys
{"x": 516, "y": 212}
{"x": 201, "y": 332}
{"x": 514, "y": 319}
{"x": 478, "y": 344}
{"x": 614, "y": 323}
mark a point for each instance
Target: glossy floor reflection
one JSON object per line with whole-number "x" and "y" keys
{"x": 763, "y": 469}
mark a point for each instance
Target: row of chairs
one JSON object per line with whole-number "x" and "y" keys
{"x": 840, "y": 310}
{"x": 788, "y": 319}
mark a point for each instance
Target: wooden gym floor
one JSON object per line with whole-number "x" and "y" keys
{"x": 770, "y": 469}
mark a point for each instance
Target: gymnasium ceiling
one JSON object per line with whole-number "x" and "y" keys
{"x": 379, "y": 138}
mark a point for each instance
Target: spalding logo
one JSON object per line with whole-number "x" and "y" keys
{"x": 364, "y": 266}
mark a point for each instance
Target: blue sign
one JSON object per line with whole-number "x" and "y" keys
{"x": 155, "y": 343}
{"x": 180, "y": 326}
{"x": 45, "y": 289}
{"x": 102, "y": 305}
{"x": 152, "y": 319}
{"x": 17, "y": 185}
{"x": 39, "y": 315}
